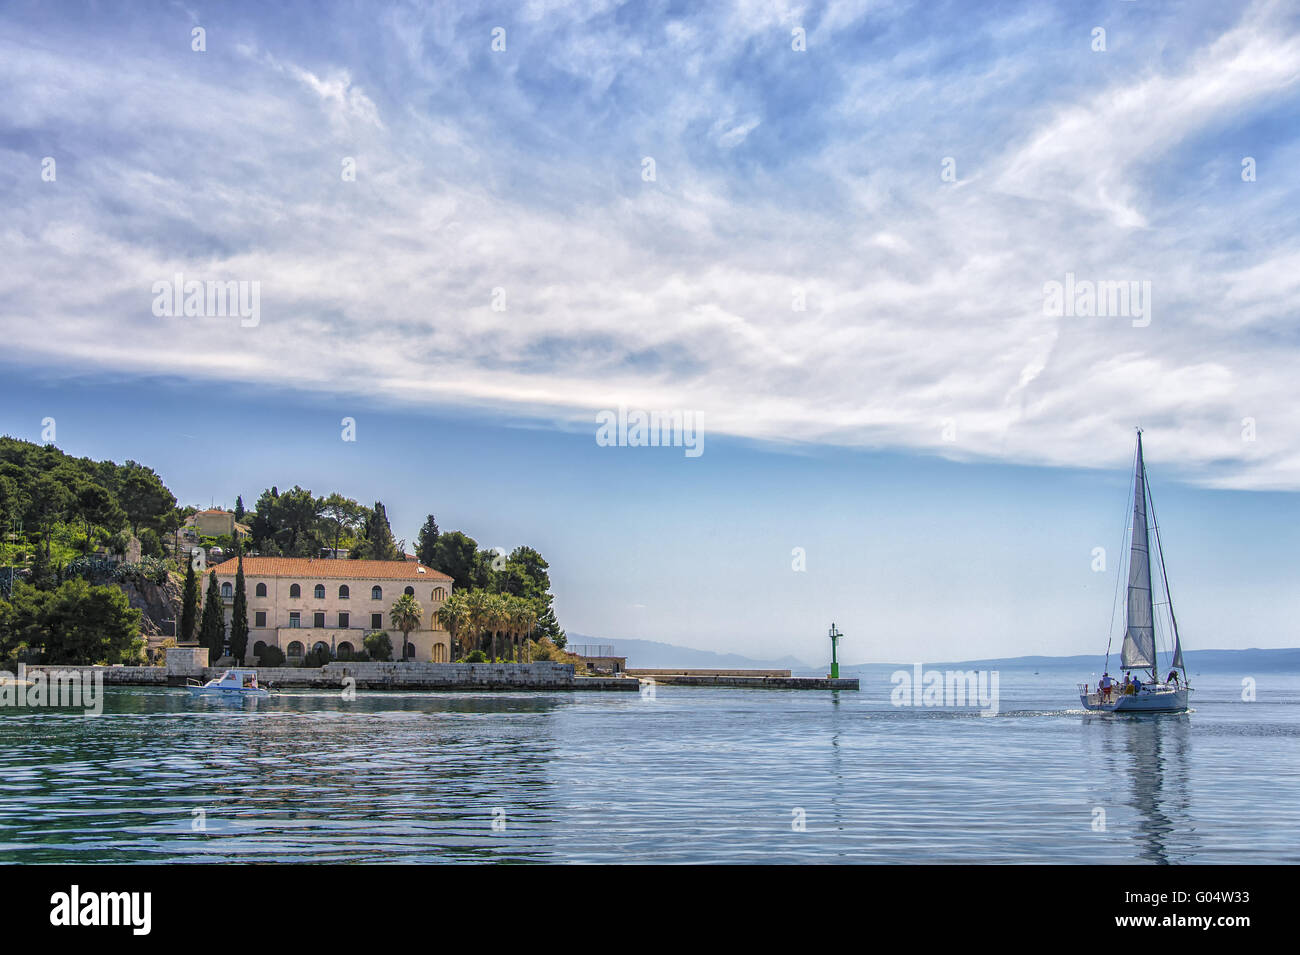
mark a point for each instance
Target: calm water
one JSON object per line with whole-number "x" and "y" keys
{"x": 694, "y": 775}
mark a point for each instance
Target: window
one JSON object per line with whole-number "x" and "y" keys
{"x": 319, "y": 592}
{"x": 410, "y": 651}
{"x": 343, "y": 621}
{"x": 376, "y": 621}
{"x": 410, "y": 591}
{"x": 376, "y": 593}
{"x": 295, "y": 649}
{"x": 259, "y": 618}
{"x": 345, "y": 651}
{"x": 321, "y": 645}
{"x": 344, "y": 593}
{"x": 295, "y": 619}
{"x": 318, "y": 620}
{"x": 225, "y": 590}
{"x": 439, "y": 653}
{"x": 261, "y": 590}
{"x": 295, "y": 592}
{"x": 259, "y": 648}
{"x": 439, "y": 593}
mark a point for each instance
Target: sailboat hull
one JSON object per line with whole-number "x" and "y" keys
{"x": 1161, "y": 698}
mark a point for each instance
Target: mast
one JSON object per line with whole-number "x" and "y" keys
{"x": 1139, "y": 650}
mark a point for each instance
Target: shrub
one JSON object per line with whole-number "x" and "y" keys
{"x": 378, "y": 645}
{"x": 317, "y": 657}
{"x": 477, "y": 656}
{"x": 271, "y": 657}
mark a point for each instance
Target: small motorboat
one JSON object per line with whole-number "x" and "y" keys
{"x": 233, "y": 684}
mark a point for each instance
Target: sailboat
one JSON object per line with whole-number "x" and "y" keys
{"x": 1142, "y": 690}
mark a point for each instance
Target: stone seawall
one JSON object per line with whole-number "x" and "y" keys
{"x": 762, "y": 682}
{"x": 367, "y": 676}
{"x": 113, "y": 676}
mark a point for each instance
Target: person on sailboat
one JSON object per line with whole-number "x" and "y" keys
{"x": 1172, "y": 677}
{"x": 1104, "y": 684}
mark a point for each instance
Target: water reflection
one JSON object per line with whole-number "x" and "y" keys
{"x": 1154, "y": 752}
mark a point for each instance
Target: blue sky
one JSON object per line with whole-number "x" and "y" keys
{"x": 946, "y": 452}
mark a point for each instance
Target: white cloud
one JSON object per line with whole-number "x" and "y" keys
{"x": 924, "y": 298}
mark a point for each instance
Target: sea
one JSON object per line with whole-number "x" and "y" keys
{"x": 677, "y": 775}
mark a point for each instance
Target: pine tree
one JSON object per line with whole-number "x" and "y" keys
{"x": 212, "y": 630}
{"x": 426, "y": 544}
{"x": 380, "y": 544}
{"x": 239, "y": 617}
{"x": 189, "y": 605}
{"x": 239, "y": 509}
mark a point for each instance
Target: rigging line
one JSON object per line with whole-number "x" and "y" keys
{"x": 1124, "y": 535}
{"x": 1169, "y": 597}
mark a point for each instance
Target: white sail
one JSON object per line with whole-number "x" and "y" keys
{"x": 1140, "y": 637}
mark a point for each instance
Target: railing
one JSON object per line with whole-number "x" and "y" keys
{"x": 591, "y": 649}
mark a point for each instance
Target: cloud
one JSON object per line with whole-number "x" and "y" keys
{"x": 782, "y": 177}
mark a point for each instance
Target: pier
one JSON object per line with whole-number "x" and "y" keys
{"x": 763, "y": 679}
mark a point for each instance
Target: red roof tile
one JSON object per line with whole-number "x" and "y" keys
{"x": 329, "y": 569}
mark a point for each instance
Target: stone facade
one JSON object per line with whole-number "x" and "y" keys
{"x": 297, "y": 604}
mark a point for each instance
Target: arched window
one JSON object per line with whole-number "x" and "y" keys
{"x": 344, "y": 593}
{"x": 295, "y": 649}
{"x": 439, "y": 593}
{"x": 295, "y": 592}
{"x": 410, "y": 651}
{"x": 376, "y": 593}
{"x": 410, "y": 591}
{"x": 225, "y": 590}
{"x": 439, "y": 653}
{"x": 345, "y": 651}
{"x": 320, "y": 592}
{"x": 320, "y": 645}
{"x": 259, "y": 648}
{"x": 261, "y": 590}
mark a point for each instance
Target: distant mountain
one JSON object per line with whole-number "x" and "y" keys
{"x": 1283, "y": 660}
{"x": 647, "y": 653}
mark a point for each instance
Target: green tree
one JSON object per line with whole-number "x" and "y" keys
{"x": 405, "y": 615}
{"x": 47, "y": 505}
{"x": 453, "y": 617}
{"x": 457, "y": 556}
{"x": 144, "y": 498}
{"x": 378, "y": 645}
{"x": 76, "y": 624}
{"x": 377, "y": 537}
{"x": 189, "y": 604}
{"x": 343, "y": 513}
{"x": 239, "y": 509}
{"x": 426, "y": 543}
{"x": 96, "y": 508}
{"x": 239, "y": 616}
{"x": 212, "y": 628}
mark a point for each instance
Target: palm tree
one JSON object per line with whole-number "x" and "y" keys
{"x": 453, "y": 617}
{"x": 497, "y": 619}
{"x": 405, "y": 615}
{"x": 476, "y": 613}
{"x": 527, "y": 622}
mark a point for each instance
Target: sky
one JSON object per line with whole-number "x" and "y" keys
{"x": 826, "y": 232}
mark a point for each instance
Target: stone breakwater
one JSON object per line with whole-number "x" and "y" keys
{"x": 369, "y": 676}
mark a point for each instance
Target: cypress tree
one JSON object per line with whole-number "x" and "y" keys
{"x": 239, "y": 617}
{"x": 212, "y": 629}
{"x": 189, "y": 605}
